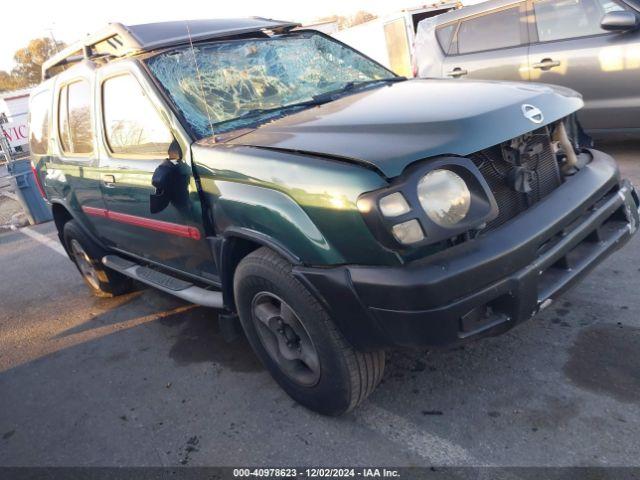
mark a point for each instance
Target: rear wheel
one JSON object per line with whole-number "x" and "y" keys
{"x": 297, "y": 341}
{"x": 87, "y": 256}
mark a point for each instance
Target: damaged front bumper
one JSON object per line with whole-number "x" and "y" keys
{"x": 490, "y": 284}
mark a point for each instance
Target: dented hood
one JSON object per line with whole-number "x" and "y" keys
{"x": 394, "y": 125}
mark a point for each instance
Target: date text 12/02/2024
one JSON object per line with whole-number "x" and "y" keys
{"x": 316, "y": 472}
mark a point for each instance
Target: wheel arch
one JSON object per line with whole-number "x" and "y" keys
{"x": 62, "y": 214}
{"x": 234, "y": 245}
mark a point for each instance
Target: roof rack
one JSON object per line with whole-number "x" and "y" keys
{"x": 119, "y": 40}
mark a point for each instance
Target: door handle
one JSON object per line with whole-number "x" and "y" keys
{"x": 546, "y": 64}
{"x": 457, "y": 72}
{"x": 109, "y": 180}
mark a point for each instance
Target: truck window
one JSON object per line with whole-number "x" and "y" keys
{"x": 245, "y": 75}
{"x": 558, "y": 20}
{"x": 39, "y": 111}
{"x": 444, "y": 35}
{"x": 132, "y": 125}
{"x": 74, "y": 118}
{"x": 490, "y": 31}
{"x": 398, "y": 45}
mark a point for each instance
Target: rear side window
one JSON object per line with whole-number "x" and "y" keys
{"x": 39, "y": 113}
{"x": 131, "y": 123}
{"x": 399, "y": 52}
{"x": 74, "y": 118}
{"x": 444, "y": 35}
{"x": 562, "y": 19}
{"x": 490, "y": 31}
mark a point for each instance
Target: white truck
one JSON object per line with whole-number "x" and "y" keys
{"x": 389, "y": 39}
{"x": 14, "y": 116}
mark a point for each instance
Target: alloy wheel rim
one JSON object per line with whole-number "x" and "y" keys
{"x": 85, "y": 265}
{"x": 285, "y": 339}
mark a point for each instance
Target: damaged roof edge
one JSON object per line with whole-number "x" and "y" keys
{"x": 145, "y": 37}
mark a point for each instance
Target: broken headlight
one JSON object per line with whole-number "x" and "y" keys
{"x": 444, "y": 196}
{"x": 431, "y": 201}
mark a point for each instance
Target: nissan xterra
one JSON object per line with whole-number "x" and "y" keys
{"x": 335, "y": 208}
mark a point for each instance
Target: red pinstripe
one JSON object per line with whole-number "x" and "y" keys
{"x": 176, "y": 229}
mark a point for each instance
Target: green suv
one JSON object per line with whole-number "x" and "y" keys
{"x": 334, "y": 208}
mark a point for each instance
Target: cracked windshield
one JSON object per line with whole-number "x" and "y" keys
{"x": 223, "y": 86}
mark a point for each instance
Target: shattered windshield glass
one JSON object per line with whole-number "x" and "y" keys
{"x": 221, "y": 86}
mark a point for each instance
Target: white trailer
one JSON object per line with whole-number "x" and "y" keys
{"x": 14, "y": 117}
{"x": 389, "y": 39}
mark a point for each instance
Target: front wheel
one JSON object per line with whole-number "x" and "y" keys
{"x": 297, "y": 341}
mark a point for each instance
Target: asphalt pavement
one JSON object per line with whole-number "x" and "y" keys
{"x": 146, "y": 379}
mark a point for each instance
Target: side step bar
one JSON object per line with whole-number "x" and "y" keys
{"x": 184, "y": 290}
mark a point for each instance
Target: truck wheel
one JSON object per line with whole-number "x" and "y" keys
{"x": 87, "y": 257}
{"x": 296, "y": 339}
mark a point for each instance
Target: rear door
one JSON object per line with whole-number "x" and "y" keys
{"x": 571, "y": 49}
{"x": 136, "y": 131}
{"x": 72, "y": 169}
{"x": 491, "y": 45}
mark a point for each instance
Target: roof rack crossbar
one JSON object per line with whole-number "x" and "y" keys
{"x": 124, "y": 40}
{"x": 129, "y": 44}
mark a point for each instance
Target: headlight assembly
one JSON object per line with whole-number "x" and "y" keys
{"x": 430, "y": 202}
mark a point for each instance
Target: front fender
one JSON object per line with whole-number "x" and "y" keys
{"x": 305, "y": 204}
{"x": 274, "y": 215}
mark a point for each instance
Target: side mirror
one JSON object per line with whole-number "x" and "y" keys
{"x": 620, "y": 21}
{"x": 171, "y": 182}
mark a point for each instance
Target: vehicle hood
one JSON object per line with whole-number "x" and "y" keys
{"x": 393, "y": 126}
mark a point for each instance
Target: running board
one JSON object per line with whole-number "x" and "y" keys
{"x": 184, "y": 290}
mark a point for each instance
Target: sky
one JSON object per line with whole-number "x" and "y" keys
{"x": 70, "y": 20}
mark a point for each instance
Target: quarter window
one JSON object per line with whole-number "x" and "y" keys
{"x": 74, "y": 118}
{"x": 491, "y": 31}
{"x": 444, "y": 35}
{"x": 39, "y": 110}
{"x": 132, "y": 125}
{"x": 562, "y": 19}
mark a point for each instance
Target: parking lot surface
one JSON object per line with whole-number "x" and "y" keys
{"x": 146, "y": 379}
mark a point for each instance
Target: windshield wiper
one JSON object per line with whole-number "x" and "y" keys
{"x": 350, "y": 86}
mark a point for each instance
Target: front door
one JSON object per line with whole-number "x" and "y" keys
{"x": 572, "y": 50}
{"x": 136, "y": 140}
{"x": 491, "y": 45}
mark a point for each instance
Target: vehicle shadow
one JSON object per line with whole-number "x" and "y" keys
{"x": 195, "y": 329}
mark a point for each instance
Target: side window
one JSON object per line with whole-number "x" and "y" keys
{"x": 490, "y": 31}
{"x": 39, "y": 111}
{"x": 63, "y": 120}
{"x": 398, "y": 47}
{"x": 444, "y": 35}
{"x": 74, "y": 118}
{"x": 562, "y": 19}
{"x": 131, "y": 124}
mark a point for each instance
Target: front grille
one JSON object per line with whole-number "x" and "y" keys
{"x": 531, "y": 154}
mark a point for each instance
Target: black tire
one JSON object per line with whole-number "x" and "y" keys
{"x": 344, "y": 377}
{"x": 102, "y": 281}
